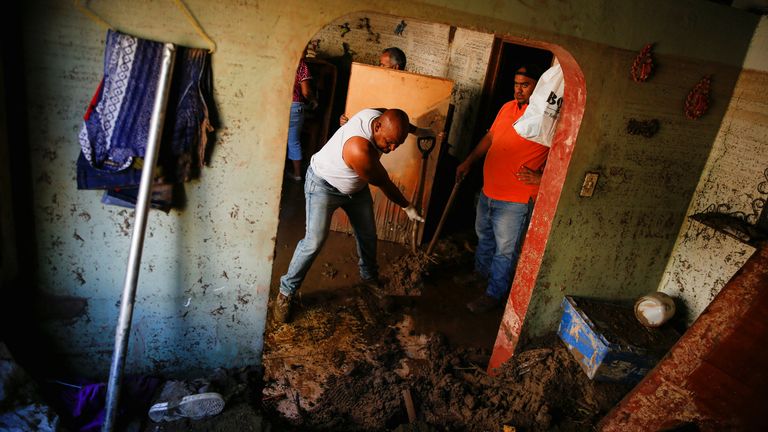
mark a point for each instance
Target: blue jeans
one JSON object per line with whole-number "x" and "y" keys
{"x": 500, "y": 227}
{"x": 322, "y": 200}
{"x": 294, "y": 130}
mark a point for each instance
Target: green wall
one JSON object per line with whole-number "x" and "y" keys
{"x": 203, "y": 287}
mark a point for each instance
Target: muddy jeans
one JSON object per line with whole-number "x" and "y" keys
{"x": 501, "y": 228}
{"x": 322, "y": 200}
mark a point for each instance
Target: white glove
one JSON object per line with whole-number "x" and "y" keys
{"x": 413, "y": 214}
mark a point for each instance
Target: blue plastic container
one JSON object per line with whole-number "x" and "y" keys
{"x": 611, "y": 345}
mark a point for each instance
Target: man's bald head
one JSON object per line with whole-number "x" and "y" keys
{"x": 391, "y": 129}
{"x": 398, "y": 119}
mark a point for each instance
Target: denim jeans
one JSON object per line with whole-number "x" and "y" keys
{"x": 294, "y": 130}
{"x": 321, "y": 201}
{"x": 500, "y": 227}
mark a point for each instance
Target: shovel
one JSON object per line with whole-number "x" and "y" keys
{"x": 425, "y": 145}
{"x": 444, "y": 216}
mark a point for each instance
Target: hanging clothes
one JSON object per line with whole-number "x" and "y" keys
{"x": 115, "y": 130}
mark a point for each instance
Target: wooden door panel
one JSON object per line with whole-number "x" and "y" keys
{"x": 425, "y": 99}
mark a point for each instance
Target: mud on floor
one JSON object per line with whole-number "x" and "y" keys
{"x": 348, "y": 357}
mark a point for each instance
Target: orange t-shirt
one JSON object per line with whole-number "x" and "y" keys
{"x": 507, "y": 154}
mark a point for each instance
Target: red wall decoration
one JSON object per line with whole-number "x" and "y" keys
{"x": 643, "y": 64}
{"x": 697, "y": 102}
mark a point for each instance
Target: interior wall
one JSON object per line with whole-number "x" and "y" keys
{"x": 734, "y": 182}
{"x": 203, "y": 287}
{"x": 435, "y": 49}
{"x": 644, "y": 183}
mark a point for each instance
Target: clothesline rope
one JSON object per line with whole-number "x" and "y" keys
{"x": 179, "y": 3}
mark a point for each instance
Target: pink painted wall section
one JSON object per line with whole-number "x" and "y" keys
{"x": 532, "y": 254}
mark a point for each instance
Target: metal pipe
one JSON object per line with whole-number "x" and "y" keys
{"x": 137, "y": 238}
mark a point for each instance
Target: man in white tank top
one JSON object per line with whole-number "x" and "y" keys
{"x": 338, "y": 176}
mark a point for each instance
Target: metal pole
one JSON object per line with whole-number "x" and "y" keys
{"x": 137, "y": 239}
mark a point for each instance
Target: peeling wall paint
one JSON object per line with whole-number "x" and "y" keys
{"x": 203, "y": 287}
{"x": 734, "y": 182}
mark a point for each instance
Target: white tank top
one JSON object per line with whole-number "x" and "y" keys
{"x": 329, "y": 164}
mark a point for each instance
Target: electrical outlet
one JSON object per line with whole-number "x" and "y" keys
{"x": 588, "y": 187}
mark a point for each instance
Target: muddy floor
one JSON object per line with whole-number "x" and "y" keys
{"x": 350, "y": 360}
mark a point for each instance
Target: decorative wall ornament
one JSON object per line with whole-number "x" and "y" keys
{"x": 697, "y": 102}
{"x": 647, "y": 128}
{"x": 643, "y": 64}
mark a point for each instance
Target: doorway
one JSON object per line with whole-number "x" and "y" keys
{"x": 506, "y": 58}
{"x": 339, "y": 328}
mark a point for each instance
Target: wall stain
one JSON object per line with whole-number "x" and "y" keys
{"x": 244, "y": 299}
{"x": 79, "y": 273}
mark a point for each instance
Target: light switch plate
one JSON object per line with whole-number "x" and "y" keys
{"x": 588, "y": 187}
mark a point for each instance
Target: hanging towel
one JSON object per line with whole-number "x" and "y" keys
{"x": 115, "y": 130}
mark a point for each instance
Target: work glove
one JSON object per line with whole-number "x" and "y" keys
{"x": 413, "y": 214}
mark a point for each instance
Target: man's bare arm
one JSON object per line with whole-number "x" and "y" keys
{"x": 477, "y": 153}
{"x": 359, "y": 155}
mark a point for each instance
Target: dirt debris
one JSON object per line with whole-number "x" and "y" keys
{"x": 344, "y": 362}
{"x": 404, "y": 275}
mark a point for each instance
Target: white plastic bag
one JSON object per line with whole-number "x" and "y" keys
{"x": 540, "y": 118}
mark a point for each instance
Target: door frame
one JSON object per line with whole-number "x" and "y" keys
{"x": 532, "y": 253}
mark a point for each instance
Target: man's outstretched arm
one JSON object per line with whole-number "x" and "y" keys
{"x": 359, "y": 156}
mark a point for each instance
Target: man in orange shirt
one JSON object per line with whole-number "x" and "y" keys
{"x": 511, "y": 176}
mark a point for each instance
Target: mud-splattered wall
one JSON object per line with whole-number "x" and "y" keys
{"x": 734, "y": 183}
{"x": 615, "y": 244}
{"x": 203, "y": 286}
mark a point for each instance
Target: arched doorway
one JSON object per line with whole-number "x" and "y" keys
{"x": 509, "y": 330}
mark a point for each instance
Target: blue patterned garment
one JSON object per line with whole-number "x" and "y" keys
{"x": 116, "y": 130}
{"x": 118, "y": 127}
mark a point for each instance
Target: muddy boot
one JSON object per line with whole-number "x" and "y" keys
{"x": 282, "y": 309}
{"x": 483, "y": 304}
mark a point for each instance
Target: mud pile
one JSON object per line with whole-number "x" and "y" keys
{"x": 404, "y": 275}
{"x": 347, "y": 358}
{"x": 344, "y": 367}
{"x": 538, "y": 389}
